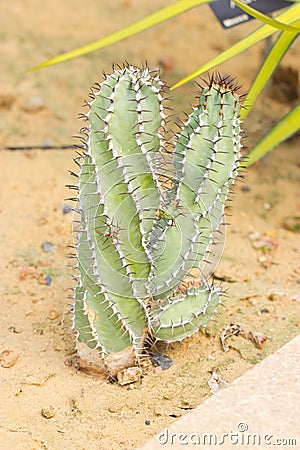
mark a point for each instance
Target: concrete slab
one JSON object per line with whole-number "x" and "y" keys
{"x": 260, "y": 409}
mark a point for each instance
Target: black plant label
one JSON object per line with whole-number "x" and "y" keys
{"x": 230, "y": 15}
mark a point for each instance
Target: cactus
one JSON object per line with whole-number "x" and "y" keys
{"x": 148, "y": 212}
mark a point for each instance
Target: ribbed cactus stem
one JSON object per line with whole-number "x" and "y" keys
{"x": 181, "y": 316}
{"x": 206, "y": 158}
{"x": 141, "y": 231}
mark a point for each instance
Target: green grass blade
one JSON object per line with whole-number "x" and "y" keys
{"x": 159, "y": 16}
{"x": 279, "y": 49}
{"x": 289, "y": 15}
{"x": 287, "y": 126}
{"x": 263, "y": 18}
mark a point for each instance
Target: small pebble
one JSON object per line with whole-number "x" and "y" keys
{"x": 163, "y": 361}
{"x": 126, "y": 4}
{"x": 68, "y": 362}
{"x": 33, "y": 104}
{"x": 67, "y": 209}
{"x": 275, "y": 296}
{"x": 48, "y": 413}
{"x": 44, "y": 262}
{"x": 245, "y": 188}
{"x": 264, "y": 310}
{"x": 7, "y": 97}
{"x": 52, "y": 314}
{"x": 147, "y": 422}
{"x": 8, "y": 358}
{"x": 48, "y": 280}
{"x": 166, "y": 63}
{"x": 48, "y": 247}
{"x": 113, "y": 409}
{"x": 47, "y": 143}
{"x": 267, "y": 206}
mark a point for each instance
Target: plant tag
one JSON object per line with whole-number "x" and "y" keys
{"x": 230, "y": 15}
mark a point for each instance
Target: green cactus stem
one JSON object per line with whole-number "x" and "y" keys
{"x": 207, "y": 159}
{"x": 145, "y": 224}
{"x": 182, "y": 315}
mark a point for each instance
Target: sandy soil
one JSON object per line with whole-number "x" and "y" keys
{"x": 45, "y": 402}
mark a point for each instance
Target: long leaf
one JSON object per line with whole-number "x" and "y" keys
{"x": 159, "y": 16}
{"x": 287, "y": 126}
{"x": 279, "y": 48}
{"x": 263, "y": 18}
{"x": 290, "y": 15}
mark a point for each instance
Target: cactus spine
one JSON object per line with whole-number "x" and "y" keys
{"x": 145, "y": 221}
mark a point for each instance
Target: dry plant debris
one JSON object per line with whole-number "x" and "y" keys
{"x": 235, "y": 329}
{"x": 216, "y": 382}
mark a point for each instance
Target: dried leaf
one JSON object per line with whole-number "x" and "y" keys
{"x": 257, "y": 338}
{"x": 233, "y": 330}
{"x": 130, "y": 375}
{"x": 216, "y": 382}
